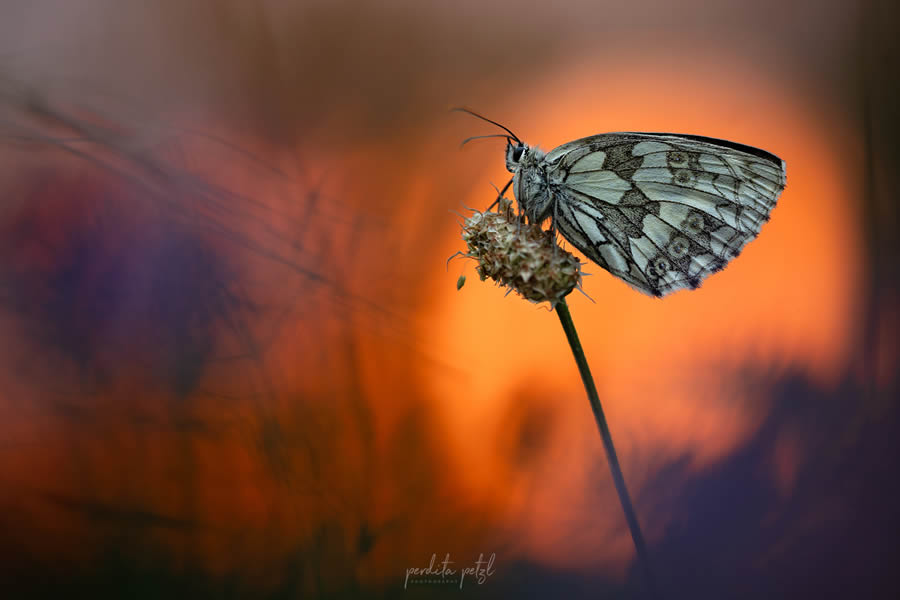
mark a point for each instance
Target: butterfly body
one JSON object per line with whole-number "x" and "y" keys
{"x": 660, "y": 211}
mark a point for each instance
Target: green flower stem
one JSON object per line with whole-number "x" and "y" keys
{"x": 562, "y": 309}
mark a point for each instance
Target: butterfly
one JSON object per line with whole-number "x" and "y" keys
{"x": 661, "y": 211}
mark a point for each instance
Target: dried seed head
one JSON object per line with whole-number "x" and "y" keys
{"x": 520, "y": 256}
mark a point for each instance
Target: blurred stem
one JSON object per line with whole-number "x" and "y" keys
{"x": 562, "y": 309}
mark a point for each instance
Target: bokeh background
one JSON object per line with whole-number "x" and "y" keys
{"x": 235, "y": 363}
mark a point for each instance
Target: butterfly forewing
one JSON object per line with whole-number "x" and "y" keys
{"x": 660, "y": 211}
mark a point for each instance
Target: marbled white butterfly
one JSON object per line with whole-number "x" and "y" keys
{"x": 661, "y": 211}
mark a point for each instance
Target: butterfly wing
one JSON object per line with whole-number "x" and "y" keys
{"x": 662, "y": 211}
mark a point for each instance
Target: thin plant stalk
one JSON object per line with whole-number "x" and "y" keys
{"x": 565, "y": 318}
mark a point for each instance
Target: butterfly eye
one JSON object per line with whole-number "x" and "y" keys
{"x": 517, "y": 153}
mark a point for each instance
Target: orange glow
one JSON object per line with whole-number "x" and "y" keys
{"x": 666, "y": 369}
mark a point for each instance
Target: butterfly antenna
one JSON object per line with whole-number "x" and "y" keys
{"x": 483, "y": 118}
{"x": 478, "y": 137}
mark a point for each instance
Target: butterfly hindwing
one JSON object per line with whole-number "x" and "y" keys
{"x": 586, "y": 227}
{"x": 662, "y": 211}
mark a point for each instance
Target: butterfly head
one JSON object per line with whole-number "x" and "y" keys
{"x": 516, "y": 149}
{"x": 514, "y": 154}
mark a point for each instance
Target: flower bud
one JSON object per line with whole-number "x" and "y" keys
{"x": 521, "y": 256}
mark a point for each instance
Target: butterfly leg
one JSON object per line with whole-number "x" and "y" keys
{"x": 500, "y": 194}
{"x": 553, "y": 223}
